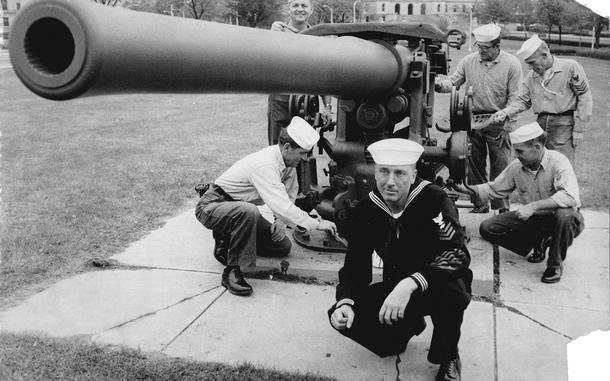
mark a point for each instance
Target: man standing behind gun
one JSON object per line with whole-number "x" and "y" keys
{"x": 228, "y": 205}
{"x": 414, "y": 228}
{"x": 277, "y": 109}
{"x": 495, "y": 77}
{"x": 557, "y": 89}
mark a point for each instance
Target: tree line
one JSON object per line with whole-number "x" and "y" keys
{"x": 253, "y": 13}
{"x": 563, "y": 16}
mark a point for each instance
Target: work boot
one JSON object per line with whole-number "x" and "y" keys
{"x": 234, "y": 281}
{"x": 551, "y": 275}
{"x": 480, "y": 209}
{"x": 540, "y": 250}
{"x": 450, "y": 370}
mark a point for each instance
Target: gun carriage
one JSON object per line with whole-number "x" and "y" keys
{"x": 381, "y": 73}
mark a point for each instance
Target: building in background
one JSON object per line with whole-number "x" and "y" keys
{"x": 8, "y": 10}
{"x": 448, "y": 12}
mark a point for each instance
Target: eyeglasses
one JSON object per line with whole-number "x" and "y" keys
{"x": 484, "y": 48}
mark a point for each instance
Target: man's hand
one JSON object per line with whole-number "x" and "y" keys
{"x": 393, "y": 307}
{"x": 342, "y": 317}
{"x": 525, "y": 212}
{"x": 278, "y": 230}
{"x": 577, "y": 138}
{"x": 460, "y": 188}
{"x": 499, "y": 117}
{"x": 437, "y": 84}
{"x": 329, "y": 226}
{"x": 327, "y": 113}
{"x": 278, "y": 26}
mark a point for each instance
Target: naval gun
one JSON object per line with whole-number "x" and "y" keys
{"x": 382, "y": 75}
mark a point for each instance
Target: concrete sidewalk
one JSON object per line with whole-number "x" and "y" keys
{"x": 165, "y": 296}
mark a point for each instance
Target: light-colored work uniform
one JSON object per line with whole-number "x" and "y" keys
{"x": 495, "y": 84}
{"x": 229, "y": 206}
{"x": 558, "y": 97}
{"x": 555, "y": 179}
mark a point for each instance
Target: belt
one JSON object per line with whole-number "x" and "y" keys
{"x": 569, "y": 112}
{"x": 483, "y": 112}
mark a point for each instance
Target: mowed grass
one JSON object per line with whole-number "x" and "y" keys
{"x": 84, "y": 178}
{"x": 32, "y": 358}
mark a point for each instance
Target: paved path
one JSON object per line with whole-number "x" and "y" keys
{"x": 165, "y": 296}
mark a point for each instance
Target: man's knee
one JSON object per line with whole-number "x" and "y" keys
{"x": 246, "y": 212}
{"x": 488, "y": 229}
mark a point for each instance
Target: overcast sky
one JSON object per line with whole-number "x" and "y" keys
{"x": 601, "y": 7}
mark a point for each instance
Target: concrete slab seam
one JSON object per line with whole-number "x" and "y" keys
{"x": 193, "y": 321}
{"x": 495, "y": 325}
{"x": 555, "y": 305}
{"x": 122, "y": 266}
{"x": 397, "y": 367}
{"x": 162, "y": 309}
{"x": 516, "y": 311}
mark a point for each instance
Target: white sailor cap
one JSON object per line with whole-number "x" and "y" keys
{"x": 526, "y": 132}
{"x": 529, "y": 47}
{"x": 395, "y": 151}
{"x": 486, "y": 33}
{"x": 302, "y": 133}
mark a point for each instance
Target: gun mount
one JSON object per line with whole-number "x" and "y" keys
{"x": 381, "y": 73}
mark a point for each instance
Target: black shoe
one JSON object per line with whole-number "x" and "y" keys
{"x": 503, "y": 210}
{"x": 450, "y": 370}
{"x": 234, "y": 281}
{"x": 220, "y": 248}
{"x": 551, "y": 275}
{"x": 480, "y": 209}
{"x": 540, "y": 251}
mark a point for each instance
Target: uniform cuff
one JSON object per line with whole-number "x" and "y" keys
{"x": 422, "y": 283}
{"x": 343, "y": 302}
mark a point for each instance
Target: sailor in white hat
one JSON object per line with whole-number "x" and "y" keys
{"x": 495, "y": 78}
{"x": 413, "y": 226}
{"x": 395, "y": 171}
{"x": 557, "y": 90}
{"x": 548, "y": 219}
{"x": 529, "y": 47}
{"x": 228, "y": 206}
{"x": 487, "y": 40}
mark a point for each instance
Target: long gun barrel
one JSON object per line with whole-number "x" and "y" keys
{"x": 62, "y": 49}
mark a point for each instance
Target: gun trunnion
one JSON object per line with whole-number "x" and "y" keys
{"x": 381, "y": 74}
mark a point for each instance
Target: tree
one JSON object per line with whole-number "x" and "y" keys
{"x": 521, "y": 11}
{"x": 257, "y": 13}
{"x": 196, "y": 9}
{"x": 493, "y": 11}
{"x": 139, "y": 5}
{"x": 111, "y": 3}
{"x": 600, "y": 23}
{"x": 549, "y": 13}
{"x": 342, "y": 11}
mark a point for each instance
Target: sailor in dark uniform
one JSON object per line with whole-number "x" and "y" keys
{"x": 413, "y": 226}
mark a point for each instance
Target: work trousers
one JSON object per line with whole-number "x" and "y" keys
{"x": 495, "y": 140}
{"x": 241, "y": 225}
{"x": 559, "y": 129}
{"x": 277, "y": 116}
{"x": 508, "y": 231}
{"x": 445, "y": 305}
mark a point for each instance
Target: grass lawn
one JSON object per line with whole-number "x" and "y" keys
{"x": 83, "y": 179}
{"x": 34, "y": 358}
